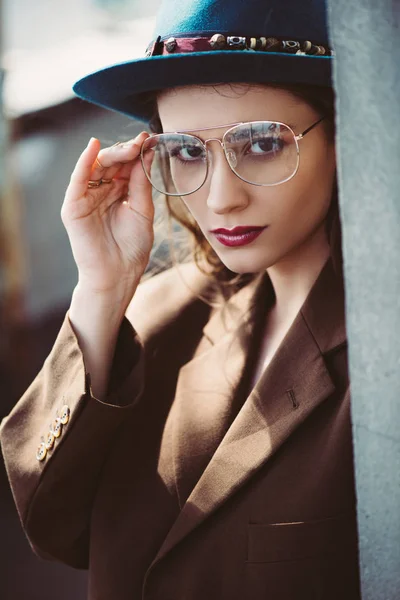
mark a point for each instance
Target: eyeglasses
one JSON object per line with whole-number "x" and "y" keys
{"x": 263, "y": 153}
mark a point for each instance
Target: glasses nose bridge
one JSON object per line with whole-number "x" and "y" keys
{"x": 230, "y": 159}
{"x": 214, "y": 140}
{"x": 221, "y": 144}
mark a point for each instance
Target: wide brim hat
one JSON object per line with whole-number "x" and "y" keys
{"x": 218, "y": 41}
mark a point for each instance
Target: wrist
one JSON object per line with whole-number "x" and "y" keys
{"x": 94, "y": 304}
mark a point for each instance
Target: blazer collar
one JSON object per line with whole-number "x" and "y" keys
{"x": 326, "y": 297}
{"x": 215, "y": 450}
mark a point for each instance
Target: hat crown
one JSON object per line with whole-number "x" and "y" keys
{"x": 289, "y": 19}
{"x": 298, "y": 51}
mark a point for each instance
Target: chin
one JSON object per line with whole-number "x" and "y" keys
{"x": 242, "y": 262}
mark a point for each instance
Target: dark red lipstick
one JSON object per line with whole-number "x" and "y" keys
{"x": 238, "y": 236}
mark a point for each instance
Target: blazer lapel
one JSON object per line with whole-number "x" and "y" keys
{"x": 214, "y": 456}
{"x": 206, "y": 385}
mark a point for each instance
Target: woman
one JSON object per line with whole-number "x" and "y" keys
{"x": 201, "y": 448}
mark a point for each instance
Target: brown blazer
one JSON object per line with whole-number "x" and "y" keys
{"x": 185, "y": 484}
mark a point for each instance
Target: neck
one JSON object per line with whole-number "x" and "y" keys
{"x": 294, "y": 275}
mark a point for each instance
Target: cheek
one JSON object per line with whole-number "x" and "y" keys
{"x": 196, "y": 206}
{"x": 293, "y": 217}
{"x": 305, "y": 198}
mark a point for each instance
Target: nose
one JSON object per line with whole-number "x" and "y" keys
{"x": 226, "y": 191}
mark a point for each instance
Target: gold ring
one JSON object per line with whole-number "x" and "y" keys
{"x": 99, "y": 163}
{"x": 107, "y": 180}
{"x": 92, "y": 183}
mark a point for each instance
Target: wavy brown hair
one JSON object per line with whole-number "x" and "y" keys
{"x": 322, "y": 99}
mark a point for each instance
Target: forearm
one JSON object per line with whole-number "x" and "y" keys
{"x": 96, "y": 320}
{"x": 57, "y": 486}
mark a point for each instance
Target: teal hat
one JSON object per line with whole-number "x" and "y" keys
{"x": 218, "y": 41}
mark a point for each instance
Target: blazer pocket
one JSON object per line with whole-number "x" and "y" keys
{"x": 272, "y": 542}
{"x": 309, "y": 560}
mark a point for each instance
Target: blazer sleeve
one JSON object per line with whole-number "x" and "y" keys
{"x": 54, "y": 487}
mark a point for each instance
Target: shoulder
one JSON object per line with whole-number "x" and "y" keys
{"x": 160, "y": 299}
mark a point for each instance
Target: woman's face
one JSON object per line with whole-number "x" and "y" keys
{"x": 294, "y": 211}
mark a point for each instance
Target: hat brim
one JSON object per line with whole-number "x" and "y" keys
{"x": 123, "y": 87}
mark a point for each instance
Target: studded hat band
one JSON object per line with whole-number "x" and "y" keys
{"x": 176, "y": 45}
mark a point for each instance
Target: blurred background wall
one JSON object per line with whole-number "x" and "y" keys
{"x": 46, "y": 46}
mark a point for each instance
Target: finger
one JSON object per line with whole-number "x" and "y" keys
{"x": 109, "y": 160}
{"x": 99, "y": 200}
{"x": 140, "y": 191}
{"x": 83, "y": 168}
{"x": 121, "y": 152}
{"x": 124, "y": 171}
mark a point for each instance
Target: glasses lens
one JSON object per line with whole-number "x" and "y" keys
{"x": 175, "y": 164}
{"x": 263, "y": 152}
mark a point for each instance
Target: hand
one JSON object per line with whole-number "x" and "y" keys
{"x": 111, "y": 233}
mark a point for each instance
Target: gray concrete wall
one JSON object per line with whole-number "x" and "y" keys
{"x": 366, "y": 36}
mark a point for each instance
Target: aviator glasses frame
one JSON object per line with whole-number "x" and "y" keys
{"x": 296, "y": 137}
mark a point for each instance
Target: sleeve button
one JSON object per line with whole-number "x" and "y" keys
{"x": 41, "y": 452}
{"x": 49, "y": 440}
{"x": 56, "y": 428}
{"x": 65, "y": 412}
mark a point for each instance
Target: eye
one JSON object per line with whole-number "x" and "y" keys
{"x": 186, "y": 153}
{"x": 266, "y": 145}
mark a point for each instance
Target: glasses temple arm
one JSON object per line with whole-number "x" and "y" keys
{"x": 301, "y": 135}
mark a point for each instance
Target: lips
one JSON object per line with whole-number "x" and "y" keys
{"x": 238, "y": 230}
{"x": 238, "y": 236}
